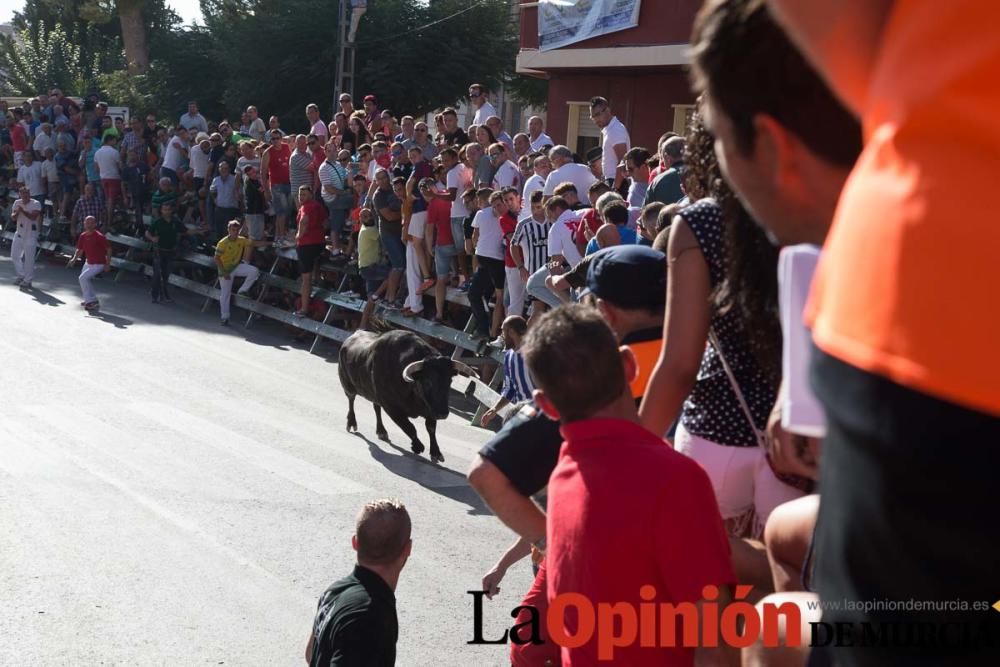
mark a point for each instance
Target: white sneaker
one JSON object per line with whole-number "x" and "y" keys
{"x": 497, "y": 343}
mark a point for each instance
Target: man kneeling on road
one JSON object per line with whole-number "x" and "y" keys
{"x": 356, "y": 620}
{"x": 232, "y": 256}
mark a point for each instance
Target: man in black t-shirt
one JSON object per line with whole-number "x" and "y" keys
{"x": 356, "y": 620}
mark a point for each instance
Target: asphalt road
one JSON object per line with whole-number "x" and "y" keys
{"x": 176, "y": 493}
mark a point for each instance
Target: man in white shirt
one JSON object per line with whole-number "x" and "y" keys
{"x": 201, "y": 157}
{"x": 563, "y": 253}
{"x": 193, "y": 120}
{"x": 177, "y": 150}
{"x": 27, "y": 216}
{"x": 316, "y": 124}
{"x": 564, "y": 169}
{"x": 458, "y": 180}
{"x": 536, "y": 134}
{"x": 615, "y": 141}
{"x": 335, "y": 185}
{"x": 506, "y": 174}
{"x": 109, "y": 163}
{"x": 30, "y": 174}
{"x": 43, "y": 140}
{"x": 489, "y": 280}
{"x": 477, "y": 97}
{"x": 542, "y": 167}
{"x": 257, "y": 129}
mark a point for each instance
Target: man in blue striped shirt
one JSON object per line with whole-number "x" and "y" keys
{"x": 517, "y": 384}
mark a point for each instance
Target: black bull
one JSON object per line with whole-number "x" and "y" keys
{"x": 402, "y": 374}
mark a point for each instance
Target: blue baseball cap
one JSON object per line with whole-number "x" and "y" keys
{"x": 629, "y": 276}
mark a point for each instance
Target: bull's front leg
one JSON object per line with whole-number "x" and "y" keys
{"x": 380, "y": 431}
{"x": 403, "y": 422}
{"x": 436, "y": 454}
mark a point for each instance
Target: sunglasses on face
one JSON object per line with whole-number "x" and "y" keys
{"x": 311, "y": 143}
{"x": 343, "y": 159}
{"x": 278, "y": 139}
{"x": 474, "y": 95}
{"x": 494, "y": 156}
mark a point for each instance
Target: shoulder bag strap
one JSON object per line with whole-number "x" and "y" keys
{"x": 758, "y": 434}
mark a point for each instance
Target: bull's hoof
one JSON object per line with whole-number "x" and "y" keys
{"x": 352, "y": 426}
{"x": 382, "y": 435}
{"x": 437, "y": 457}
{"x": 416, "y": 448}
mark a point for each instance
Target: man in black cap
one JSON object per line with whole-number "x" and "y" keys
{"x": 629, "y": 285}
{"x": 594, "y": 158}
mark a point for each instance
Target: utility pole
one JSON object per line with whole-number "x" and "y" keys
{"x": 345, "y": 59}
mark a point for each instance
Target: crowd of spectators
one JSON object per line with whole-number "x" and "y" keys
{"x": 673, "y": 317}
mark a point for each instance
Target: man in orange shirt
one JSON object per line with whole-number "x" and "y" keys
{"x": 903, "y": 310}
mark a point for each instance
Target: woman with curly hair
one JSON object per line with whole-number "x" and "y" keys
{"x": 719, "y": 367}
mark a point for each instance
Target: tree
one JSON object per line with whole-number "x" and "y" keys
{"x": 38, "y": 60}
{"x": 134, "y": 35}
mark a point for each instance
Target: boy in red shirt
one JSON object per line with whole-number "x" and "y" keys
{"x": 625, "y": 511}
{"x": 93, "y": 245}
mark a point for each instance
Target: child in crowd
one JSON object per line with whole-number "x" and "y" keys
{"x": 373, "y": 271}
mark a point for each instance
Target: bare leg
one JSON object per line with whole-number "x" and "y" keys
{"x": 782, "y": 655}
{"x": 498, "y": 313}
{"x": 787, "y": 534}
{"x": 440, "y": 290}
{"x": 393, "y": 284}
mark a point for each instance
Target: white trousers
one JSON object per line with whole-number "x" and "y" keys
{"x": 242, "y": 270}
{"x": 87, "y": 281}
{"x": 24, "y": 266}
{"x": 515, "y": 291}
{"x": 740, "y": 476}
{"x": 413, "y": 278}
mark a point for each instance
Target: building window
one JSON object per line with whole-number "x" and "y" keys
{"x": 581, "y": 132}
{"x": 683, "y": 117}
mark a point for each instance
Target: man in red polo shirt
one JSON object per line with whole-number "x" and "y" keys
{"x": 625, "y": 511}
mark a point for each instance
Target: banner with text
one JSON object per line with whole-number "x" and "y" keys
{"x": 562, "y": 22}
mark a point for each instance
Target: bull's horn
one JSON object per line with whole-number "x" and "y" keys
{"x": 463, "y": 369}
{"x": 412, "y": 369}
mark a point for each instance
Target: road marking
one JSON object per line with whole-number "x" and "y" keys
{"x": 293, "y": 469}
{"x": 163, "y": 465}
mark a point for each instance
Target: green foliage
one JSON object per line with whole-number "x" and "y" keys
{"x": 277, "y": 54}
{"x": 416, "y": 71}
{"x": 40, "y": 59}
{"x": 529, "y": 90}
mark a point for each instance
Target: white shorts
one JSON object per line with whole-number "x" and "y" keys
{"x": 740, "y": 476}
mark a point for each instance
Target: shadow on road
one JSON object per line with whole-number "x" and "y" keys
{"x": 118, "y": 321}
{"x": 419, "y": 469}
{"x": 44, "y": 298}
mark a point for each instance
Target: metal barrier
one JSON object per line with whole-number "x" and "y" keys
{"x": 462, "y": 341}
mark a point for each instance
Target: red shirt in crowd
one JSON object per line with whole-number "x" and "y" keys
{"x": 625, "y": 510}
{"x": 439, "y": 215}
{"x": 277, "y": 164}
{"x": 94, "y": 246}
{"x": 315, "y": 231}
{"x": 587, "y": 217}
{"x": 508, "y": 223}
{"x": 18, "y": 137}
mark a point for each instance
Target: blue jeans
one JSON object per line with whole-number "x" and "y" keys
{"x": 396, "y": 250}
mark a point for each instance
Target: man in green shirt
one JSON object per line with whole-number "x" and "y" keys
{"x": 162, "y": 233}
{"x": 232, "y": 256}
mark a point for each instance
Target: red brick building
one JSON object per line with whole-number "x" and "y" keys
{"x": 641, "y": 70}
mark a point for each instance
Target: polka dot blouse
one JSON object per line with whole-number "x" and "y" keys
{"x": 712, "y": 411}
